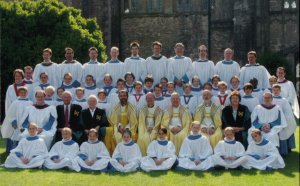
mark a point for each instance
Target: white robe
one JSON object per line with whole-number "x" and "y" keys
{"x": 82, "y": 103}
{"x": 159, "y": 150}
{"x": 12, "y": 96}
{"x": 190, "y": 103}
{"x": 265, "y": 148}
{"x": 96, "y": 69}
{"x": 180, "y": 68}
{"x": 196, "y": 91}
{"x": 138, "y": 102}
{"x": 52, "y": 71}
{"x": 157, "y": 68}
{"x": 92, "y": 151}
{"x": 65, "y": 151}
{"x": 288, "y": 91}
{"x": 90, "y": 91}
{"x": 33, "y": 148}
{"x": 14, "y": 114}
{"x": 45, "y": 118}
{"x": 75, "y": 69}
{"x": 129, "y": 153}
{"x": 289, "y": 116}
{"x": 137, "y": 66}
{"x": 273, "y": 116}
{"x": 229, "y": 149}
{"x": 250, "y": 101}
{"x": 163, "y": 103}
{"x": 105, "y": 106}
{"x": 255, "y": 71}
{"x": 258, "y": 94}
{"x": 195, "y": 147}
{"x": 115, "y": 69}
{"x": 204, "y": 70}
{"x": 227, "y": 69}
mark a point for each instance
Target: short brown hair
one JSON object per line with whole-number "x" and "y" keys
{"x": 252, "y": 52}
{"x": 48, "y": 50}
{"x": 156, "y": 43}
{"x": 135, "y": 44}
{"x": 19, "y": 71}
{"x": 93, "y": 48}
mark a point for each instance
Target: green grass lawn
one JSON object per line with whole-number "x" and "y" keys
{"x": 289, "y": 176}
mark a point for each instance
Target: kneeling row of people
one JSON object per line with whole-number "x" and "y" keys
{"x": 195, "y": 153}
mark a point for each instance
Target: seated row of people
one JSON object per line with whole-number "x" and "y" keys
{"x": 195, "y": 153}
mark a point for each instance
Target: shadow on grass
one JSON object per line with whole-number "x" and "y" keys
{"x": 291, "y": 165}
{"x": 252, "y": 172}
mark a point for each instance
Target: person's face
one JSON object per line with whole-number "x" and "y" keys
{"x": 222, "y": 88}
{"x": 175, "y": 100}
{"x": 203, "y": 52}
{"x": 134, "y": 51}
{"x": 129, "y": 79}
{"x": 49, "y": 92}
{"x": 276, "y": 91}
{"x": 229, "y": 135}
{"x": 235, "y": 82}
{"x": 206, "y": 96}
{"x": 280, "y": 74}
{"x": 138, "y": 88}
{"x": 93, "y": 136}
{"x": 44, "y": 79}
{"x": 179, "y": 50}
{"x": 59, "y": 92}
{"x": 92, "y": 103}
{"x": 40, "y": 97}
{"x": 66, "y": 99}
{"x": 187, "y": 90}
{"x": 123, "y": 98}
{"x": 66, "y": 134}
{"x": 163, "y": 83}
{"x": 148, "y": 84}
{"x": 157, "y": 91}
{"x": 256, "y": 137}
{"x": 156, "y": 50}
{"x": 121, "y": 85}
{"x": 272, "y": 81}
{"x": 161, "y": 135}
{"x": 23, "y": 93}
{"x": 170, "y": 88}
{"x": 150, "y": 100}
{"x": 46, "y": 56}
{"x": 107, "y": 81}
{"x": 28, "y": 74}
{"x": 268, "y": 99}
{"x": 126, "y": 138}
{"x": 228, "y": 55}
{"x": 79, "y": 94}
{"x": 89, "y": 81}
{"x": 195, "y": 129}
{"x": 18, "y": 77}
{"x": 114, "y": 54}
{"x": 32, "y": 130}
{"x": 69, "y": 55}
{"x": 93, "y": 55}
{"x": 102, "y": 96}
{"x": 207, "y": 87}
{"x": 248, "y": 91}
{"x": 196, "y": 82}
{"x": 215, "y": 81}
{"x": 235, "y": 100}
{"x": 251, "y": 59}
{"x": 68, "y": 79}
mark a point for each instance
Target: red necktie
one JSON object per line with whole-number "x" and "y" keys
{"x": 67, "y": 116}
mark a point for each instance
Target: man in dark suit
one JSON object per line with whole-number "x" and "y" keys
{"x": 94, "y": 117}
{"x": 68, "y": 115}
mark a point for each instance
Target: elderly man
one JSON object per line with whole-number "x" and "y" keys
{"x": 269, "y": 118}
{"x": 177, "y": 119}
{"x": 43, "y": 115}
{"x": 209, "y": 116}
{"x": 256, "y": 70}
{"x": 68, "y": 115}
{"x": 149, "y": 122}
{"x": 124, "y": 116}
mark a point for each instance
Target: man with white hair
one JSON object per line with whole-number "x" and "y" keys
{"x": 209, "y": 115}
{"x": 227, "y": 68}
{"x": 177, "y": 119}
{"x": 68, "y": 115}
{"x": 269, "y": 118}
{"x": 114, "y": 66}
{"x": 43, "y": 115}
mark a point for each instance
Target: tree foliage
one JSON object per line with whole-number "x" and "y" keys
{"x": 27, "y": 27}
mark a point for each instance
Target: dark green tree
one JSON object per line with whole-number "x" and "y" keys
{"x": 27, "y": 27}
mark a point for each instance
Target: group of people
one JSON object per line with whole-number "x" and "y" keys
{"x": 154, "y": 114}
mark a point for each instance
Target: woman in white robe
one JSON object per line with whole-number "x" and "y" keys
{"x": 262, "y": 154}
{"x": 93, "y": 155}
{"x": 229, "y": 153}
{"x": 160, "y": 153}
{"x": 195, "y": 152}
{"x": 127, "y": 155}
{"x": 63, "y": 153}
{"x": 31, "y": 152}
